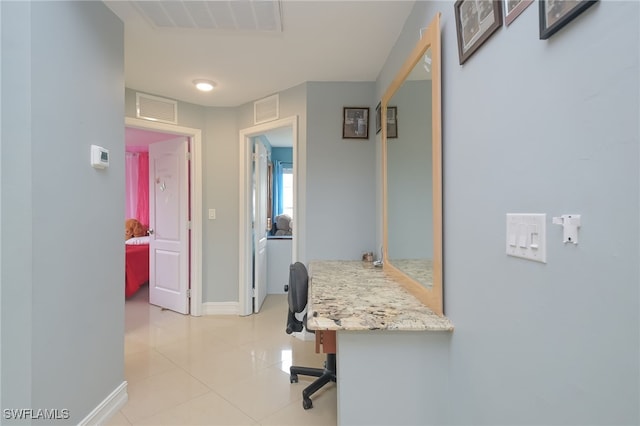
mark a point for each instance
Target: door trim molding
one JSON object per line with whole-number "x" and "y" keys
{"x": 195, "y": 137}
{"x": 244, "y": 213}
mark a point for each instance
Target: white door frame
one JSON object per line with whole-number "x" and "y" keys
{"x": 245, "y": 261}
{"x": 195, "y": 137}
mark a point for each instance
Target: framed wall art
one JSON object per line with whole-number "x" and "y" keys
{"x": 355, "y": 124}
{"x": 476, "y": 21}
{"x": 378, "y": 119}
{"x": 513, "y": 9}
{"x": 392, "y": 122}
{"x": 555, "y": 14}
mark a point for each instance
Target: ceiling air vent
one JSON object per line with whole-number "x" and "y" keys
{"x": 156, "y": 109}
{"x": 266, "y": 109}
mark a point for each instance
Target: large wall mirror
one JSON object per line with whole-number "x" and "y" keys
{"x": 412, "y": 172}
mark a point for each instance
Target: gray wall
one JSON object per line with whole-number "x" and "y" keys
{"x": 16, "y": 226}
{"x": 220, "y": 191}
{"x": 544, "y": 127}
{"x": 336, "y": 178}
{"x": 62, "y": 314}
{"x": 340, "y": 188}
{"x": 554, "y": 343}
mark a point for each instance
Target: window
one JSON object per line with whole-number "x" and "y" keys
{"x": 287, "y": 191}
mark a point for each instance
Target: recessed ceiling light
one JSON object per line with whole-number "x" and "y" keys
{"x": 204, "y": 85}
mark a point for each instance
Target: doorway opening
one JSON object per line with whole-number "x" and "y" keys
{"x": 249, "y": 285}
{"x": 194, "y": 138}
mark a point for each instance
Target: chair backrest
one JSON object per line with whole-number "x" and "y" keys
{"x": 298, "y": 287}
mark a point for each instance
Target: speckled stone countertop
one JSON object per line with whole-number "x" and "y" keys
{"x": 355, "y": 295}
{"x": 420, "y": 270}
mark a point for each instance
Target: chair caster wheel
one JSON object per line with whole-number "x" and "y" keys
{"x": 306, "y": 403}
{"x": 293, "y": 378}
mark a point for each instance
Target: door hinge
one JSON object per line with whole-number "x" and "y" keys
{"x": 189, "y": 293}
{"x": 253, "y": 292}
{"x": 188, "y": 156}
{"x": 188, "y": 224}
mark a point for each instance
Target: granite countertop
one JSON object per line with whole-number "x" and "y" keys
{"x": 355, "y": 295}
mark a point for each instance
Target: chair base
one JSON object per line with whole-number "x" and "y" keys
{"x": 324, "y": 376}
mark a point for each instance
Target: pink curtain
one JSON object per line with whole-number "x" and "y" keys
{"x": 137, "y": 186}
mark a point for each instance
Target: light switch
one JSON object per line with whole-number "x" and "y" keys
{"x": 522, "y": 235}
{"x": 526, "y": 236}
{"x": 535, "y": 237}
{"x": 212, "y": 214}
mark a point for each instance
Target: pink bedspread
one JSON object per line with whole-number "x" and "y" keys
{"x": 136, "y": 268}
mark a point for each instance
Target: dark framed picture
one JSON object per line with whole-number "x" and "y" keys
{"x": 378, "y": 119}
{"x": 513, "y": 8}
{"x": 555, "y": 14}
{"x": 392, "y": 122}
{"x": 476, "y": 21}
{"x": 355, "y": 123}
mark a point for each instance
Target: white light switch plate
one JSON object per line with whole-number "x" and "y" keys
{"x": 527, "y": 236}
{"x": 212, "y": 214}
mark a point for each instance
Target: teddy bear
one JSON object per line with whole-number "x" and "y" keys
{"x": 283, "y": 225}
{"x": 134, "y": 228}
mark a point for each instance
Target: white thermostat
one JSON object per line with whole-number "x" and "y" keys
{"x": 99, "y": 157}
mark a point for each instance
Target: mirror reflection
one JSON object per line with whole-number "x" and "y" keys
{"x": 412, "y": 170}
{"x": 409, "y": 176}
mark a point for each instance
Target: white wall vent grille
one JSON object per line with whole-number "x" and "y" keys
{"x": 156, "y": 109}
{"x": 266, "y": 109}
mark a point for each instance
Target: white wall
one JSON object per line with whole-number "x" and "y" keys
{"x": 62, "y": 310}
{"x": 545, "y": 127}
{"x": 279, "y": 258}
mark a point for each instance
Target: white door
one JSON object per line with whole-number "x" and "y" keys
{"x": 259, "y": 225}
{"x": 169, "y": 220}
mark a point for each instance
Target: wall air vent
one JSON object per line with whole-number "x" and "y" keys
{"x": 156, "y": 109}
{"x": 266, "y": 109}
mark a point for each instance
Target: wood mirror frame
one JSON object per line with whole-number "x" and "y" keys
{"x": 431, "y": 297}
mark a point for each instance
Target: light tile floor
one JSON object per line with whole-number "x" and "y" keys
{"x": 217, "y": 370}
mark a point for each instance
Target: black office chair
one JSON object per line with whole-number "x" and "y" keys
{"x": 298, "y": 290}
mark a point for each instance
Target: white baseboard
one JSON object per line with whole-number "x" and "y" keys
{"x": 304, "y": 335}
{"x": 107, "y": 408}
{"x": 220, "y": 308}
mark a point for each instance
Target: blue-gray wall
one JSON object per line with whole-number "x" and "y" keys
{"x": 340, "y": 186}
{"x": 528, "y": 125}
{"x": 62, "y": 310}
{"x": 336, "y": 206}
{"x": 543, "y": 127}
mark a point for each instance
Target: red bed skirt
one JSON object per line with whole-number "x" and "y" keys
{"x": 136, "y": 268}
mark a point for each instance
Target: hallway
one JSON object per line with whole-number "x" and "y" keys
{"x": 217, "y": 370}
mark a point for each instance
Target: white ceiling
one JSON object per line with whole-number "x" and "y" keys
{"x": 313, "y": 41}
